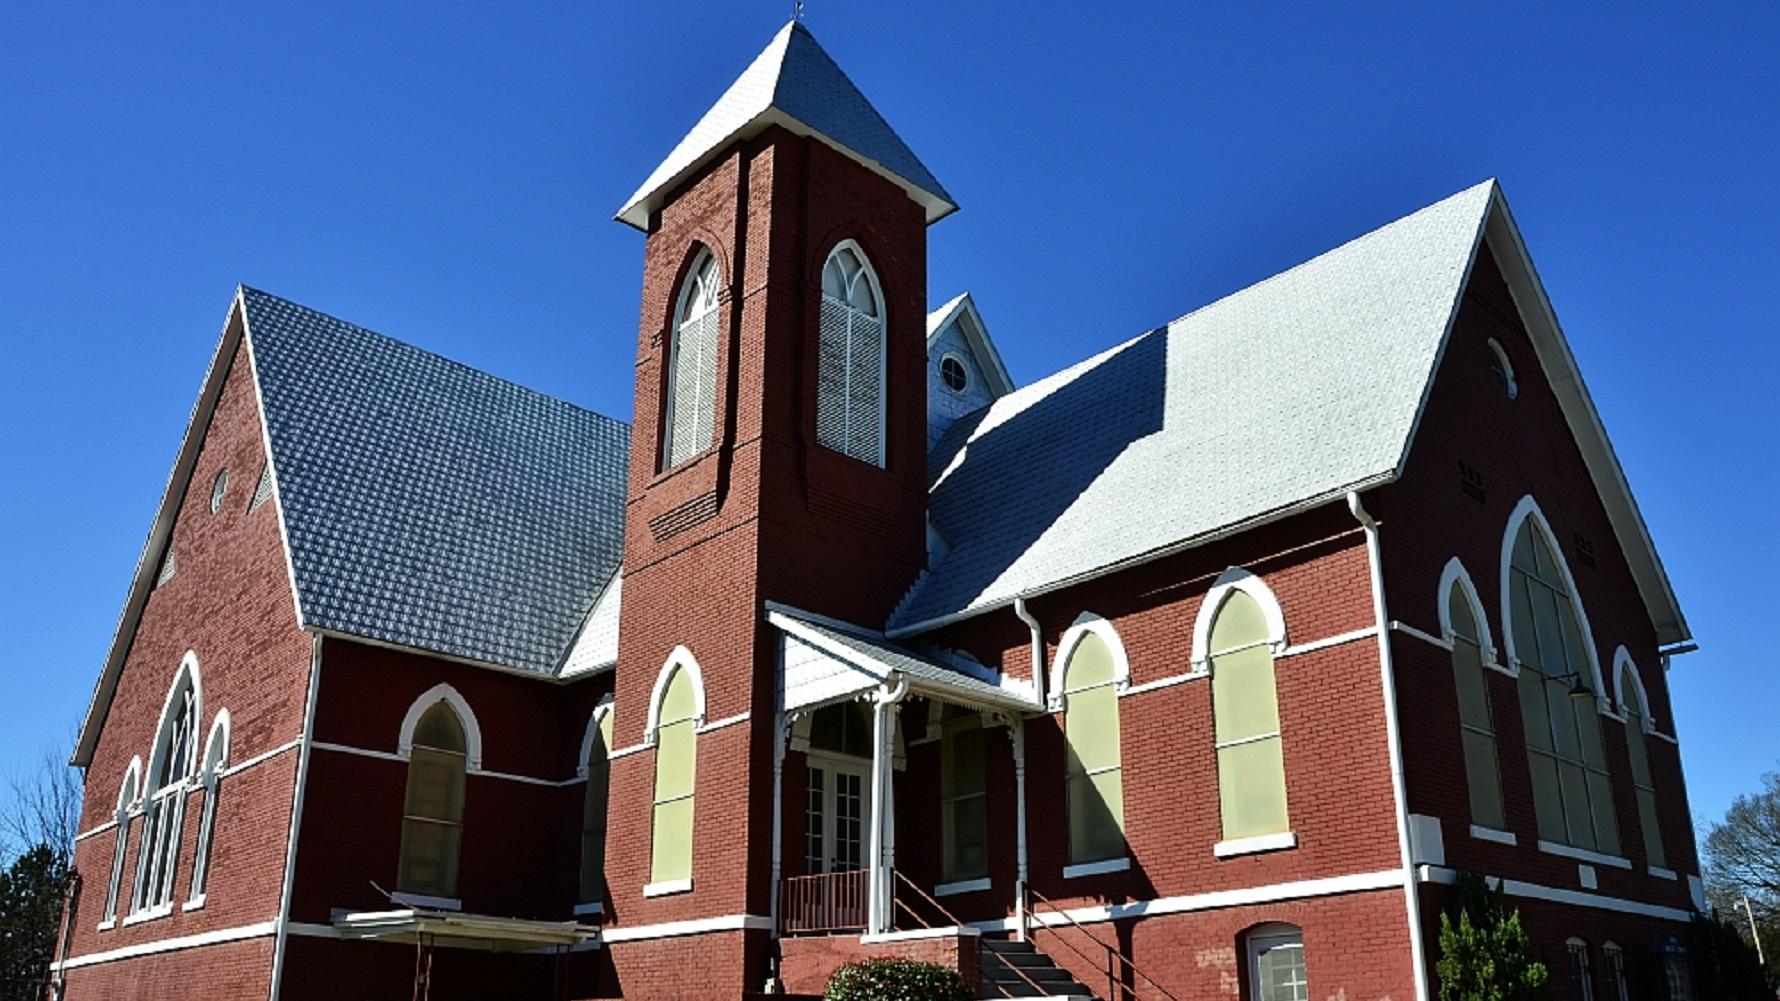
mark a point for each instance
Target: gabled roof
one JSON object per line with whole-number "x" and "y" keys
{"x": 793, "y": 83}
{"x": 1280, "y": 397}
{"x": 961, "y": 309}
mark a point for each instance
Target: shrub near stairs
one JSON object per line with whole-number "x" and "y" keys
{"x": 896, "y": 980}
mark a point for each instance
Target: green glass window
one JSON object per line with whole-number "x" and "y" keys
{"x": 1572, "y": 796}
{"x": 432, "y": 819}
{"x": 593, "y": 812}
{"x": 963, "y": 797}
{"x": 676, "y": 759}
{"x": 1639, "y": 753}
{"x": 1095, "y": 774}
{"x": 1477, "y": 730}
{"x": 1245, "y": 716}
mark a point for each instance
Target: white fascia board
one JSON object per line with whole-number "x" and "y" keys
{"x": 866, "y": 664}
{"x": 148, "y": 564}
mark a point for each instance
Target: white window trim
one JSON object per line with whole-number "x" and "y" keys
{"x": 1528, "y": 508}
{"x": 1455, "y": 574}
{"x": 1252, "y": 942}
{"x": 667, "y": 887}
{"x": 167, "y": 797}
{"x": 1258, "y": 843}
{"x": 1500, "y": 837}
{"x": 600, "y": 712}
{"x": 431, "y": 697}
{"x": 869, "y": 274}
{"x": 1513, "y": 387}
{"x": 953, "y": 356}
{"x": 1623, "y": 664}
{"x": 1084, "y": 624}
{"x": 681, "y": 659}
{"x": 216, "y": 758}
{"x": 688, "y": 285}
{"x": 1232, "y": 580}
{"x": 426, "y": 901}
{"x": 1584, "y": 855}
{"x": 956, "y": 887}
{"x": 129, "y": 794}
{"x": 1081, "y": 869}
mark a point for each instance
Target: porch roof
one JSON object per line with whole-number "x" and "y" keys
{"x": 462, "y": 931}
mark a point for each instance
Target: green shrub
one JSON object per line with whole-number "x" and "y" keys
{"x": 896, "y": 980}
{"x": 1485, "y": 955}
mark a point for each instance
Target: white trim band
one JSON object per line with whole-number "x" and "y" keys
{"x": 1575, "y": 898}
{"x": 725, "y": 721}
{"x": 259, "y": 929}
{"x": 1387, "y": 879}
{"x": 699, "y": 926}
{"x": 917, "y": 934}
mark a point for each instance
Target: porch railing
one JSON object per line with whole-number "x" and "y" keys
{"x": 1122, "y": 975}
{"x": 825, "y": 902}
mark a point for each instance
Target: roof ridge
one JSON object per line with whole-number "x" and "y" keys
{"x": 428, "y": 352}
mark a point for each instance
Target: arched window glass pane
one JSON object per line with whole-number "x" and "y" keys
{"x": 432, "y": 822}
{"x": 1245, "y": 716}
{"x": 215, "y": 759}
{"x": 850, "y": 360}
{"x": 676, "y": 761}
{"x": 1477, "y": 730}
{"x": 164, "y": 810}
{"x": 1276, "y": 965}
{"x": 1638, "y": 751}
{"x": 692, "y": 367}
{"x": 126, "y": 801}
{"x": 1572, "y": 795}
{"x": 593, "y": 813}
{"x": 1095, "y": 768}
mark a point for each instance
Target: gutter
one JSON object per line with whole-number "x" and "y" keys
{"x": 281, "y": 926}
{"x": 1394, "y": 738}
{"x": 1038, "y": 651}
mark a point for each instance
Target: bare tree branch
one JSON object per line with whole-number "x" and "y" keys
{"x": 44, "y": 806}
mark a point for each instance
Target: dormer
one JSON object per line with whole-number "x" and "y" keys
{"x": 964, "y": 371}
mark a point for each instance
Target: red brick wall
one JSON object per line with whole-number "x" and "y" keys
{"x": 805, "y": 964}
{"x": 1521, "y": 446}
{"x": 690, "y": 967}
{"x": 232, "y": 970}
{"x": 230, "y": 603}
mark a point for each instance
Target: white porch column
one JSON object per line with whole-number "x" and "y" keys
{"x": 1016, "y": 732}
{"x": 781, "y": 734}
{"x": 882, "y": 837}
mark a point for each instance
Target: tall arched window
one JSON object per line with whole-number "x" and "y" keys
{"x": 1090, "y": 683}
{"x": 692, "y": 365}
{"x": 1477, "y": 730}
{"x": 678, "y": 710}
{"x": 1245, "y": 718}
{"x": 1631, "y": 702}
{"x": 850, "y": 358}
{"x": 1572, "y": 796}
{"x": 433, "y": 813}
{"x": 593, "y": 807}
{"x": 169, "y": 771}
{"x": 127, "y": 792}
{"x": 216, "y": 757}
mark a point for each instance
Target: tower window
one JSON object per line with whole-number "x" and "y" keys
{"x": 850, "y": 358}
{"x": 692, "y": 366}
{"x": 953, "y": 373}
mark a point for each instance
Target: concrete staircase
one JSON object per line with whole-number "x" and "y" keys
{"x": 1000, "y": 959}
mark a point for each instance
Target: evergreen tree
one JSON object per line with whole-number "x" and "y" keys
{"x": 31, "y": 894}
{"x": 1485, "y": 953}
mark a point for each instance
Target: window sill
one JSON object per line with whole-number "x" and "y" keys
{"x": 1096, "y": 868}
{"x": 1584, "y": 855}
{"x": 1500, "y": 837}
{"x": 1660, "y": 873}
{"x": 108, "y": 924}
{"x": 431, "y": 903}
{"x": 149, "y": 915}
{"x": 667, "y": 888}
{"x": 586, "y": 910}
{"x": 956, "y": 887}
{"x": 196, "y": 903}
{"x": 1256, "y": 844}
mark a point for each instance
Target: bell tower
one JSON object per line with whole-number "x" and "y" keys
{"x": 778, "y": 456}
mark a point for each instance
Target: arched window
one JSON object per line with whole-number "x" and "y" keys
{"x": 433, "y": 813}
{"x": 169, "y": 771}
{"x": 1245, "y": 718}
{"x": 964, "y": 814}
{"x": 1572, "y": 795}
{"x": 1477, "y": 729}
{"x": 1631, "y": 703}
{"x": 1613, "y": 964}
{"x": 678, "y": 710}
{"x": 692, "y": 365}
{"x": 1090, "y": 686}
{"x": 850, "y": 358}
{"x": 127, "y": 793}
{"x": 1582, "y": 981}
{"x": 597, "y": 762}
{"x": 1276, "y": 964}
{"x": 216, "y": 758}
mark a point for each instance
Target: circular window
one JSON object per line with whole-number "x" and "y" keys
{"x": 953, "y": 373}
{"x": 1503, "y": 368}
{"x": 217, "y": 489}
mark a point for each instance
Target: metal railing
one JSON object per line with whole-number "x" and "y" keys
{"x": 1117, "y": 988}
{"x": 825, "y": 902}
{"x": 951, "y": 921}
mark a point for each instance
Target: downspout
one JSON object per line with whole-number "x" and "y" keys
{"x": 296, "y": 816}
{"x": 878, "y": 894}
{"x": 1038, "y": 649}
{"x": 1018, "y": 735}
{"x": 1394, "y": 737}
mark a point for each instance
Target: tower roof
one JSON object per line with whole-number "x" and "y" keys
{"x": 794, "y": 84}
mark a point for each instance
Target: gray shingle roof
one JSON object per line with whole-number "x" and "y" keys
{"x": 430, "y": 505}
{"x": 1294, "y": 389}
{"x": 795, "y": 84}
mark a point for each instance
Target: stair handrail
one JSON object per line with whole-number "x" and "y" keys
{"x": 953, "y": 918}
{"x": 1111, "y": 952}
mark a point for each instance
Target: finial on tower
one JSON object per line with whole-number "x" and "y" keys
{"x": 797, "y": 11}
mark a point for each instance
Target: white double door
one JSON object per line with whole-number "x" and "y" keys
{"x": 837, "y": 814}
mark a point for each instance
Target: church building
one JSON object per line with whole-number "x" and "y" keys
{"x": 1204, "y": 667}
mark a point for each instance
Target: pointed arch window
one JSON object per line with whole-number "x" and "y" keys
{"x": 678, "y": 710}
{"x": 1245, "y": 718}
{"x": 597, "y": 763}
{"x": 127, "y": 793}
{"x": 850, "y": 358}
{"x": 433, "y": 811}
{"x": 169, "y": 773}
{"x": 1477, "y": 730}
{"x": 1572, "y": 795}
{"x": 1091, "y": 681}
{"x": 216, "y": 758}
{"x": 692, "y": 365}
{"x": 1636, "y": 713}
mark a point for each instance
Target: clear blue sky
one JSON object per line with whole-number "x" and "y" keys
{"x": 447, "y": 174}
